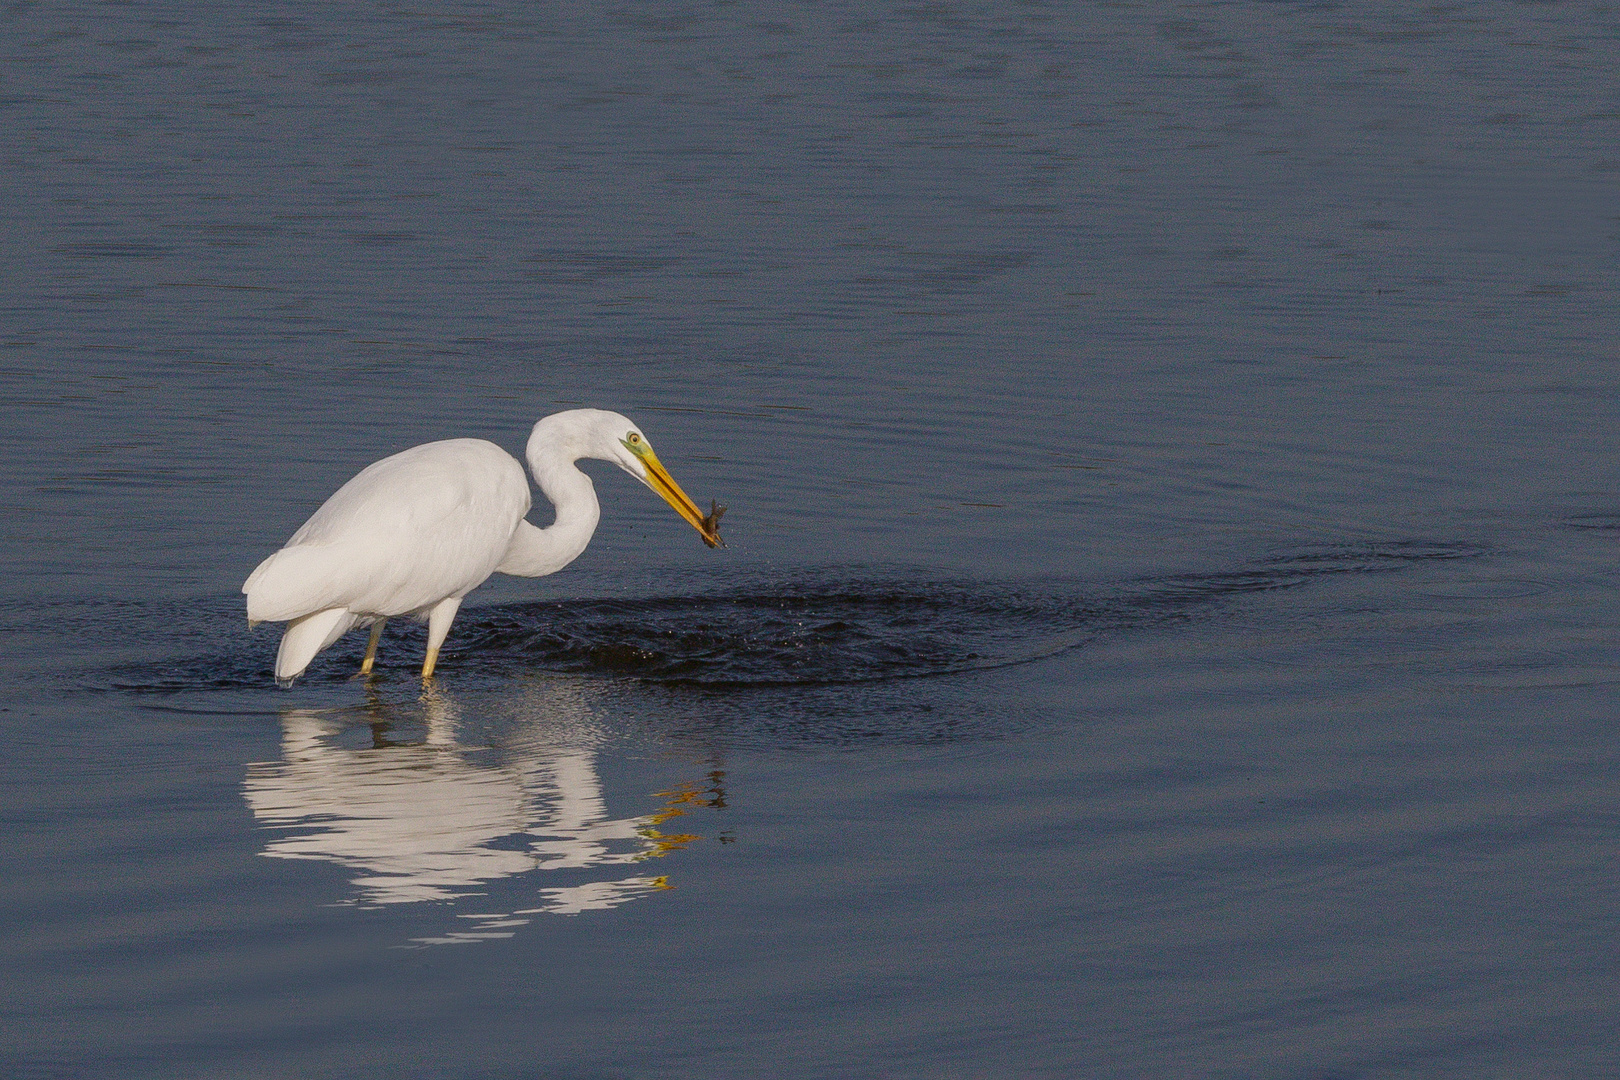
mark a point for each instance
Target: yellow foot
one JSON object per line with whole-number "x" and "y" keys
{"x": 371, "y": 646}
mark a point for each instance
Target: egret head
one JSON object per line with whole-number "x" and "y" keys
{"x": 565, "y": 437}
{"x": 635, "y": 456}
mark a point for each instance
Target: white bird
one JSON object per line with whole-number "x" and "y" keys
{"x": 414, "y": 533}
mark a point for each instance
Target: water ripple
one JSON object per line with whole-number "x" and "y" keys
{"x": 813, "y": 631}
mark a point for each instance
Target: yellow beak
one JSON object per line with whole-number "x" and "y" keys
{"x": 659, "y": 480}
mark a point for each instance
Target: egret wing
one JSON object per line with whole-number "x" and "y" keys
{"x": 403, "y": 534}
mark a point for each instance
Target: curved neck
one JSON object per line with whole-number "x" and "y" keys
{"x": 535, "y": 552}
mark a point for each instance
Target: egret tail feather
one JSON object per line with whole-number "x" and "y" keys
{"x": 307, "y": 636}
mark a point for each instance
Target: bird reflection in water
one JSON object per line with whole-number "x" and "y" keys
{"x": 432, "y": 819}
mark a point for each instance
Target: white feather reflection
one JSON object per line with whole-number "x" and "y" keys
{"x": 437, "y": 820}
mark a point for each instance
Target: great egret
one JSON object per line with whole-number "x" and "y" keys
{"x": 414, "y": 533}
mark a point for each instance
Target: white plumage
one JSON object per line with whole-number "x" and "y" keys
{"x": 414, "y": 533}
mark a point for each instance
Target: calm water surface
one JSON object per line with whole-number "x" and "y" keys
{"x": 1168, "y": 622}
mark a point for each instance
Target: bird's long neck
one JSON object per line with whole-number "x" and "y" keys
{"x": 535, "y": 552}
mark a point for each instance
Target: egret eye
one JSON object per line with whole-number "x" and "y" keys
{"x": 634, "y": 437}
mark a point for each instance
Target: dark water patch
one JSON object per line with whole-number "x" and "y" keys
{"x": 812, "y": 632}
{"x": 804, "y": 633}
{"x": 1597, "y": 521}
{"x": 816, "y": 633}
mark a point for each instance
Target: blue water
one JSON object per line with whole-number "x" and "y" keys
{"x": 1167, "y": 627}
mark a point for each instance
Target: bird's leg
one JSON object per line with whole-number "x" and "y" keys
{"x": 439, "y": 620}
{"x": 371, "y": 646}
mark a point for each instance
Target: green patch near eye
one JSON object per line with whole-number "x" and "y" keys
{"x": 636, "y": 445}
